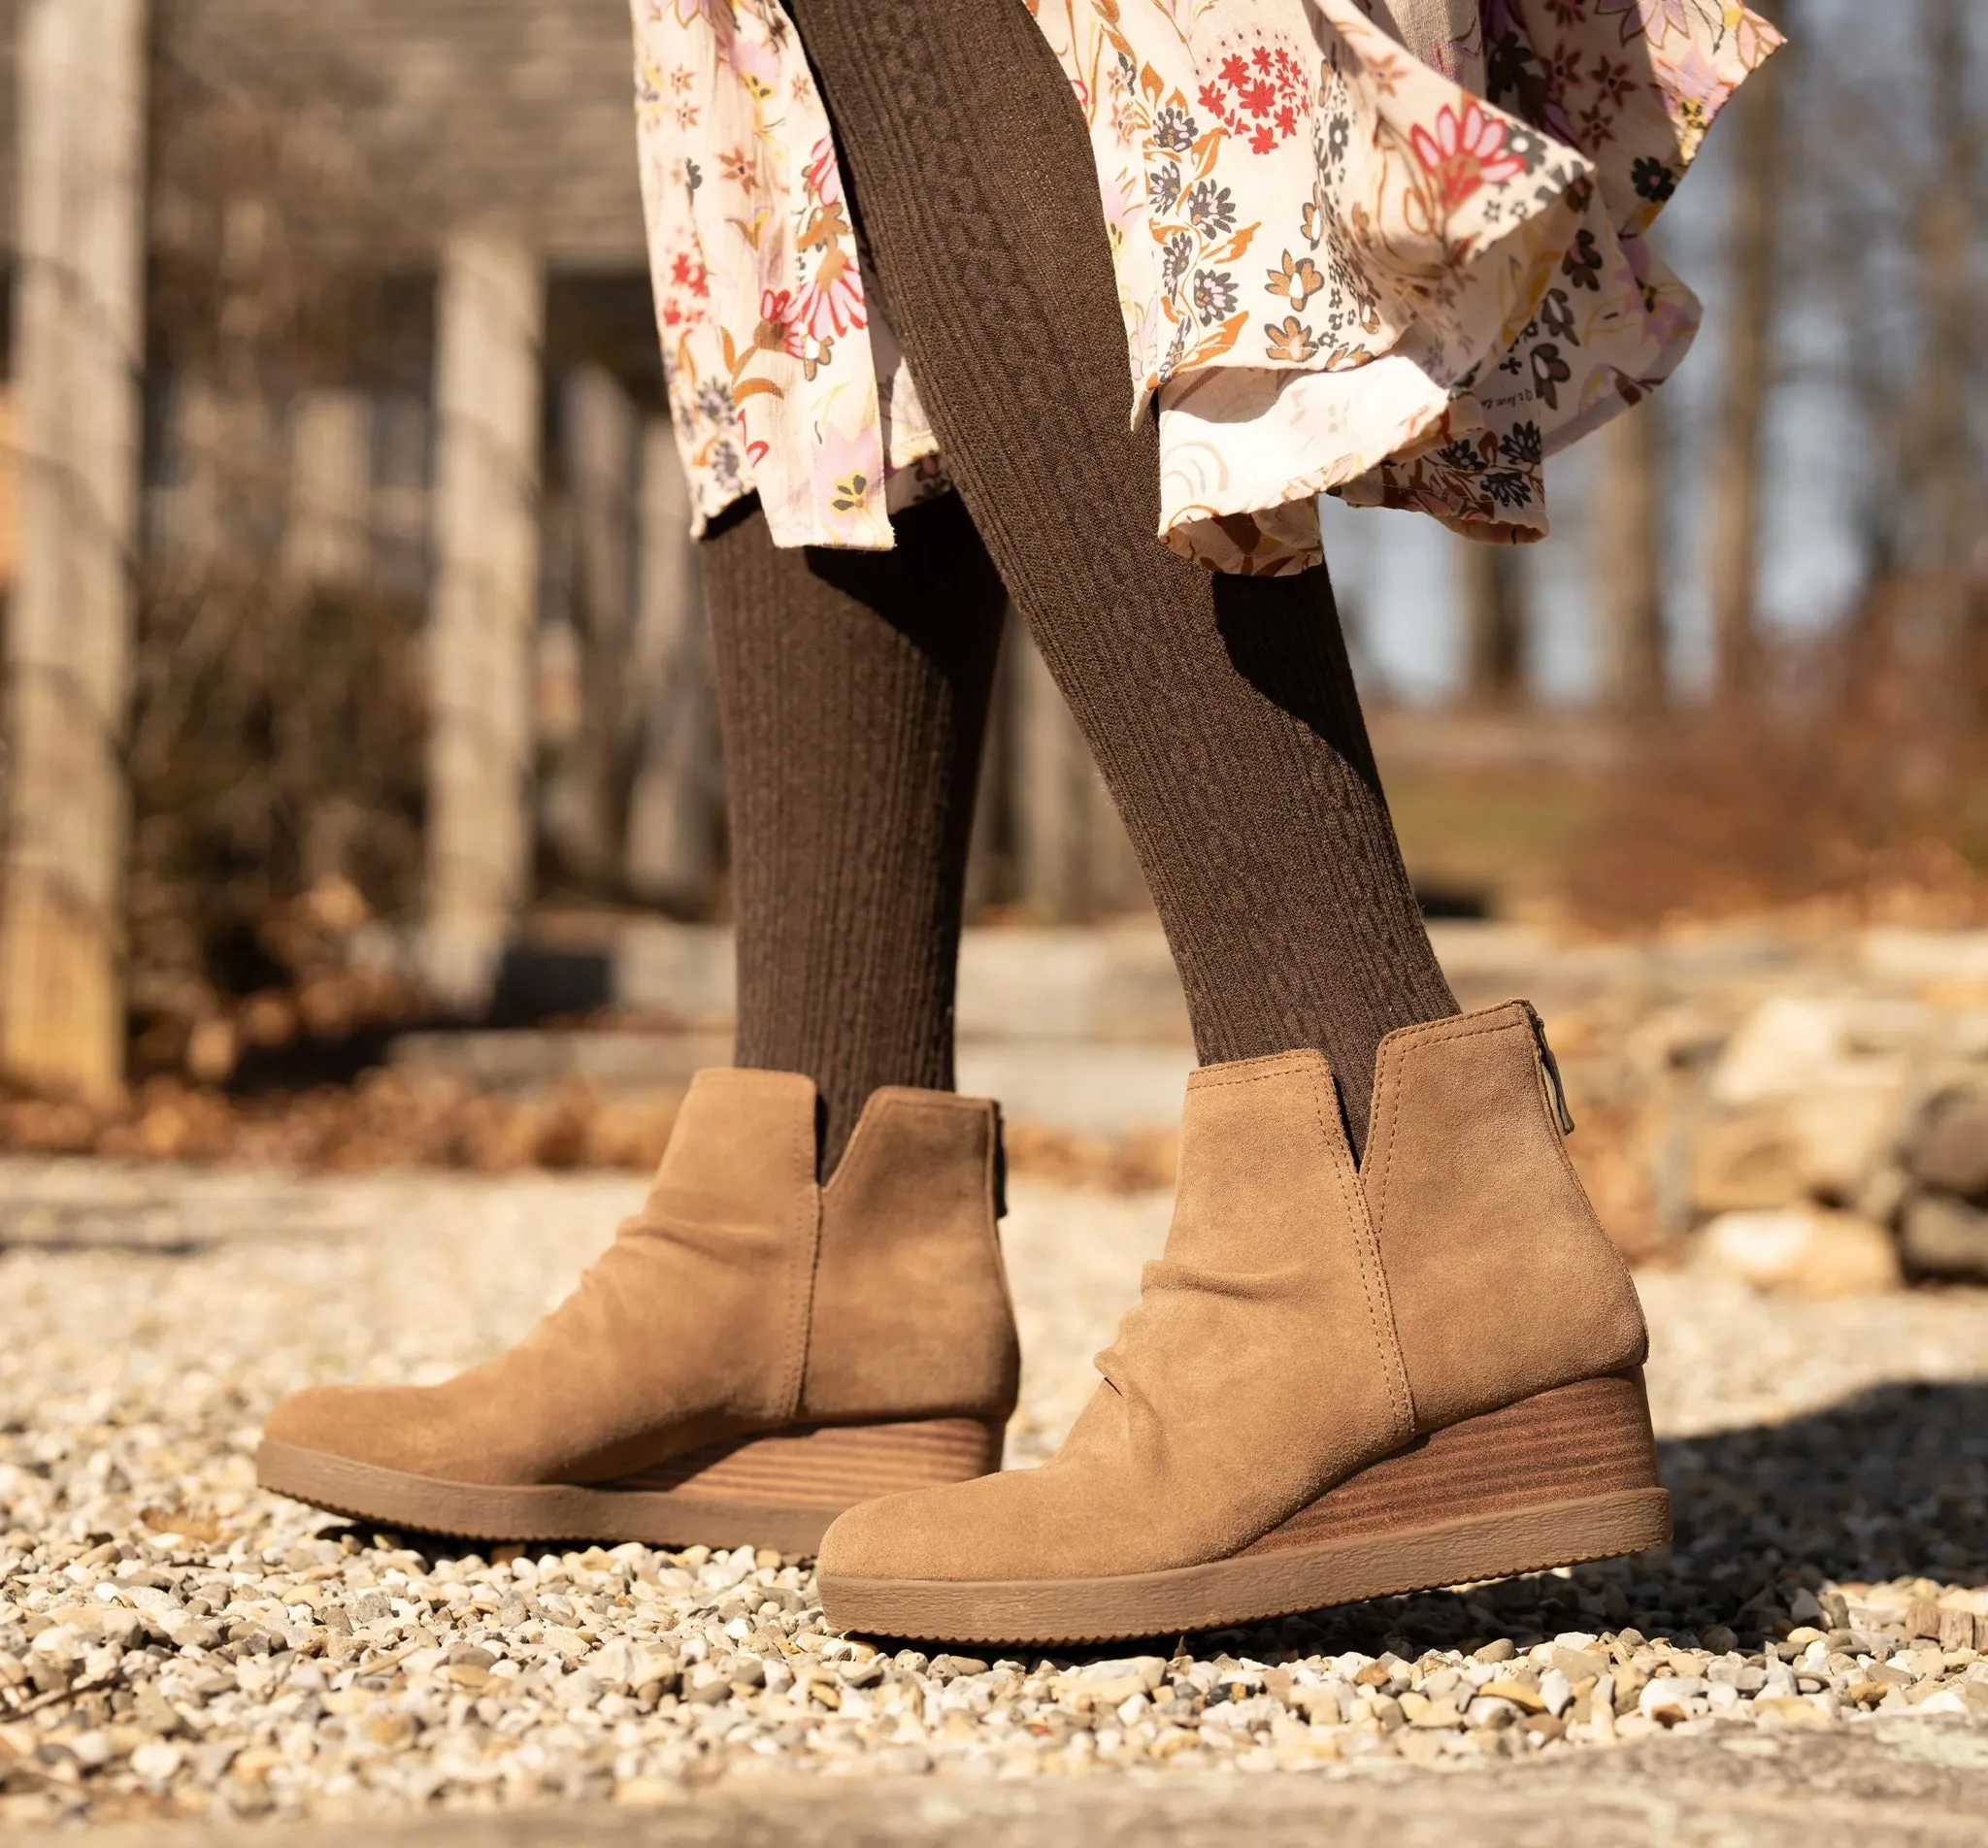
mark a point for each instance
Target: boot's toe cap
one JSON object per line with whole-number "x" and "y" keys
{"x": 1010, "y": 1526}
{"x": 366, "y": 1424}
{"x": 918, "y": 1536}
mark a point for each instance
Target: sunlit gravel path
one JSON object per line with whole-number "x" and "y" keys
{"x": 173, "y": 1642}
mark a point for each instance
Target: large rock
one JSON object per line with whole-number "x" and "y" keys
{"x": 1794, "y": 1044}
{"x": 1946, "y": 1147}
{"x": 1941, "y": 1236}
{"x": 1745, "y": 1162}
{"x": 1823, "y": 1144}
{"x": 1808, "y": 1250}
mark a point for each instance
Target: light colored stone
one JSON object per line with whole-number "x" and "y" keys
{"x": 1809, "y": 1250}
{"x": 1792, "y": 1044}
{"x": 1846, "y": 1131}
{"x": 1825, "y": 1143}
{"x": 1946, "y": 1148}
{"x": 1941, "y": 1236}
{"x": 1748, "y": 1162}
{"x": 1896, "y": 953}
{"x": 156, "y": 1761}
{"x": 1790, "y": 1710}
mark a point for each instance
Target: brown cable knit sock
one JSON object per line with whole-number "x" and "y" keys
{"x": 1221, "y": 711}
{"x": 852, "y": 695}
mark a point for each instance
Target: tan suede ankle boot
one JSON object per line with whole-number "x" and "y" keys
{"x": 752, "y": 1355}
{"x": 1336, "y": 1385}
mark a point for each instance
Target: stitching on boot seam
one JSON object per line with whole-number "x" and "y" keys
{"x": 1286, "y": 1061}
{"x": 801, "y": 1275}
{"x": 1373, "y": 1282}
{"x": 1601, "y": 1233}
{"x": 1446, "y": 1027}
{"x": 1417, "y": 1040}
{"x": 1396, "y": 1047}
{"x": 868, "y": 1128}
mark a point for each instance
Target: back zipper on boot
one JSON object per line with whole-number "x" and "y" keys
{"x": 1551, "y": 1067}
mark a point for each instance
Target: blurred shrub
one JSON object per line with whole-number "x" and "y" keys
{"x": 1858, "y": 787}
{"x": 276, "y": 757}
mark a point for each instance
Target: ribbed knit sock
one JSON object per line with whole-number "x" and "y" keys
{"x": 1221, "y": 710}
{"x": 853, "y": 699}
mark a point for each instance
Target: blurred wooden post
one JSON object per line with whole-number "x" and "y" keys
{"x": 1949, "y": 344}
{"x": 1625, "y": 568}
{"x": 598, "y": 440}
{"x": 1753, "y": 259}
{"x": 674, "y": 803}
{"x": 1493, "y": 589}
{"x": 327, "y": 537}
{"x": 79, "y": 344}
{"x": 489, "y": 323}
{"x": 186, "y": 505}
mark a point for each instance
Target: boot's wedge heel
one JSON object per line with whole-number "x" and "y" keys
{"x": 779, "y": 1491}
{"x": 1568, "y": 1476}
{"x": 1339, "y": 1382}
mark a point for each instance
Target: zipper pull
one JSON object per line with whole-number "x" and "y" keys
{"x": 1551, "y": 1066}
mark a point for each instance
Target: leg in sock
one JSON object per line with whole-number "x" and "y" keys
{"x": 1221, "y": 710}
{"x": 853, "y": 698}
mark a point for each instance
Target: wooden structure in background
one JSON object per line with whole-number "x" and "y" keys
{"x": 677, "y": 791}
{"x": 498, "y": 139}
{"x": 79, "y": 345}
{"x": 1755, "y": 257}
{"x": 599, "y": 426}
{"x": 1625, "y": 516}
{"x": 489, "y": 324}
{"x": 1492, "y": 586}
{"x": 328, "y": 536}
{"x": 1048, "y": 841}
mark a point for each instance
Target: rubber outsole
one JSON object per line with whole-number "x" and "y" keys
{"x": 1252, "y": 1587}
{"x": 778, "y": 1491}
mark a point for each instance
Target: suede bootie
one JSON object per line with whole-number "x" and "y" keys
{"x": 752, "y": 1354}
{"x": 1338, "y": 1383}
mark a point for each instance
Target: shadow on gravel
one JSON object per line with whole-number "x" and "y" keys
{"x": 1890, "y": 1484}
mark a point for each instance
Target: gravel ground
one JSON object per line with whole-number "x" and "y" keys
{"x": 173, "y": 1642}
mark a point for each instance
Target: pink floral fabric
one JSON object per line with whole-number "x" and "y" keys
{"x": 782, "y": 379}
{"x": 1390, "y": 249}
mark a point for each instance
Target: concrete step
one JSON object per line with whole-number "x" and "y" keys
{"x": 1083, "y": 1086}
{"x": 1082, "y": 1029}
{"x": 1113, "y": 983}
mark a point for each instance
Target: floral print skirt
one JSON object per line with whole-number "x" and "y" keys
{"x": 1395, "y": 251}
